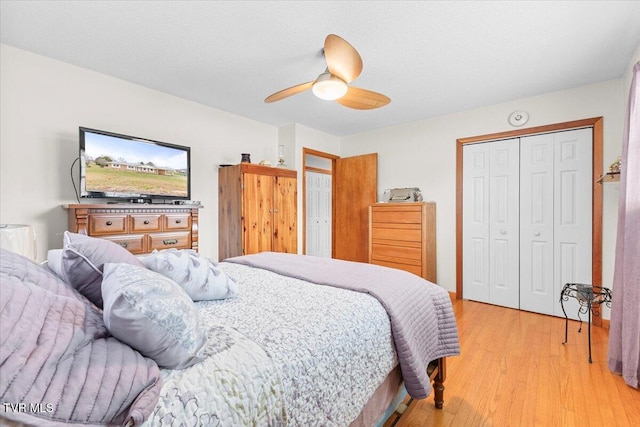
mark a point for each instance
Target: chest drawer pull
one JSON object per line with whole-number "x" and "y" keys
{"x": 146, "y": 222}
{"x": 170, "y": 241}
{"x": 109, "y": 223}
{"x": 124, "y": 244}
{"x": 178, "y": 221}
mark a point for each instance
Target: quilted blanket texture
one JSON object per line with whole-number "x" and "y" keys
{"x": 422, "y": 320}
{"x": 58, "y": 364}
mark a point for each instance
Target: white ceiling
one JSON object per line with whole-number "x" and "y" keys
{"x": 430, "y": 57}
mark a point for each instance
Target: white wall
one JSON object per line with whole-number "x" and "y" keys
{"x": 423, "y": 154}
{"x": 43, "y": 102}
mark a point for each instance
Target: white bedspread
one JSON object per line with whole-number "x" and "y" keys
{"x": 321, "y": 367}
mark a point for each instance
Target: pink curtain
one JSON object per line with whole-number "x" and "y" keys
{"x": 624, "y": 333}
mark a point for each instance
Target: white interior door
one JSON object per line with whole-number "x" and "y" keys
{"x": 537, "y": 292}
{"x": 475, "y": 222}
{"x": 318, "y": 211}
{"x": 504, "y": 223}
{"x": 573, "y": 197}
{"x": 556, "y": 218}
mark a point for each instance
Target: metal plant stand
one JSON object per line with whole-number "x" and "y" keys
{"x": 590, "y": 298}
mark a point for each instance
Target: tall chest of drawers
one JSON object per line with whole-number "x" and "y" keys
{"x": 403, "y": 236}
{"x": 138, "y": 228}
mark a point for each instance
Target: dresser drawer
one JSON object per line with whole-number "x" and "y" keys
{"x": 396, "y": 252}
{"x": 409, "y": 216}
{"x": 107, "y": 224}
{"x": 134, "y": 243}
{"x": 389, "y": 232}
{"x": 161, "y": 241}
{"x": 415, "y": 269}
{"x": 145, "y": 222}
{"x": 177, "y": 222}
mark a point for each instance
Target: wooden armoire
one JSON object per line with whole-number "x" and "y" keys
{"x": 257, "y": 210}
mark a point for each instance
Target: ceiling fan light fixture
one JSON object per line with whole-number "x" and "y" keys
{"x": 329, "y": 87}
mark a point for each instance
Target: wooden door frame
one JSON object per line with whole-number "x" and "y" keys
{"x": 596, "y": 125}
{"x": 305, "y": 168}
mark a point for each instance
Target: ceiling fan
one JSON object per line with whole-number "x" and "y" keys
{"x": 344, "y": 65}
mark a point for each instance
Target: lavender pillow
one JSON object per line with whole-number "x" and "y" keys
{"x": 56, "y": 352}
{"x": 82, "y": 261}
{"x": 152, "y": 314}
{"x": 198, "y": 276}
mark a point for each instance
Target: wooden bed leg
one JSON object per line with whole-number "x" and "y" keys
{"x": 438, "y": 382}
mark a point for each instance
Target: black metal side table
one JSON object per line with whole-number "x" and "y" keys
{"x": 590, "y": 298}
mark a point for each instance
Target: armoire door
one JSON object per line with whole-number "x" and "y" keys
{"x": 318, "y": 211}
{"x": 285, "y": 215}
{"x": 257, "y": 211}
{"x": 556, "y": 218}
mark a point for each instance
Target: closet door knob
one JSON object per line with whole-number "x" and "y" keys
{"x": 536, "y": 233}
{"x": 503, "y": 232}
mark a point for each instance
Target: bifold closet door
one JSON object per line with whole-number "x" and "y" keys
{"x": 491, "y": 222}
{"x": 318, "y": 214}
{"x": 555, "y": 218}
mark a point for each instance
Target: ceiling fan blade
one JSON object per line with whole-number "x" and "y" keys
{"x": 343, "y": 60}
{"x": 285, "y": 93}
{"x": 362, "y": 99}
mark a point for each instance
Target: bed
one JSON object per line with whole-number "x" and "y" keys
{"x": 285, "y": 349}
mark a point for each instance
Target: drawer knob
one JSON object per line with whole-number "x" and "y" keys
{"x": 170, "y": 241}
{"x": 124, "y": 245}
{"x": 178, "y": 221}
{"x": 109, "y": 223}
{"x": 146, "y": 222}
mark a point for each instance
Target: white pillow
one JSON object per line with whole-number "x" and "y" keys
{"x": 198, "y": 276}
{"x": 152, "y": 314}
{"x": 54, "y": 261}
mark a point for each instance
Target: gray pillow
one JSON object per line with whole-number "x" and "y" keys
{"x": 198, "y": 276}
{"x": 82, "y": 261}
{"x": 152, "y": 314}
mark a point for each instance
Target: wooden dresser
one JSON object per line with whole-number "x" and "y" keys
{"x": 403, "y": 236}
{"x": 138, "y": 228}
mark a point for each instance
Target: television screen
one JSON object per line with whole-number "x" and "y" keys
{"x": 127, "y": 167}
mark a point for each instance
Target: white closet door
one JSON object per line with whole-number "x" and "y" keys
{"x": 504, "y": 223}
{"x": 573, "y": 195}
{"x": 318, "y": 213}
{"x": 556, "y": 218}
{"x": 475, "y": 222}
{"x": 537, "y": 292}
{"x": 324, "y": 216}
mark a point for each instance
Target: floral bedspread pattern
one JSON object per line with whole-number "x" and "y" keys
{"x": 236, "y": 385}
{"x": 319, "y": 369}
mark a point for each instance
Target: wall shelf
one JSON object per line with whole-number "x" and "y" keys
{"x": 609, "y": 177}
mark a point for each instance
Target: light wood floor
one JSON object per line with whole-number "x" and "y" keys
{"x": 514, "y": 371}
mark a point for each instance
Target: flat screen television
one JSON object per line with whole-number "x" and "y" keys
{"x": 127, "y": 168}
